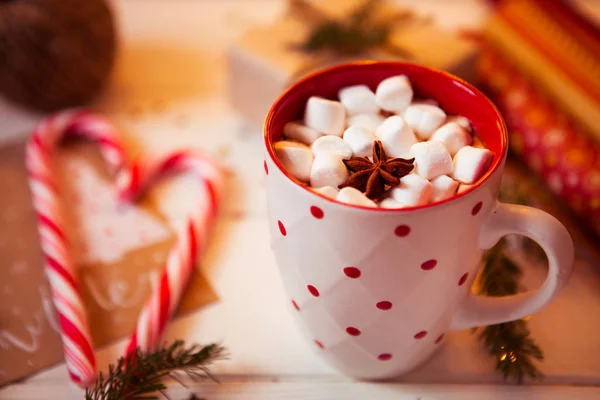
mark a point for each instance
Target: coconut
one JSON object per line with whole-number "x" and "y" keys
{"x": 55, "y": 54}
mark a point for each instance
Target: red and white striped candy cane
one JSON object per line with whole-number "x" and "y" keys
{"x": 191, "y": 240}
{"x": 59, "y": 267}
{"x": 131, "y": 181}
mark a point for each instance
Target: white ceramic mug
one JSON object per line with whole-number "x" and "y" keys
{"x": 376, "y": 290}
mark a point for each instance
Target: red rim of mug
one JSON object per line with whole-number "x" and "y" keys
{"x": 497, "y": 161}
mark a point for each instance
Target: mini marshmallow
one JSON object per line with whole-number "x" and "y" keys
{"x": 390, "y": 203}
{"x": 462, "y": 121}
{"x": 296, "y": 158}
{"x": 396, "y": 136}
{"x": 360, "y": 140}
{"x": 443, "y": 187}
{"x": 327, "y": 191}
{"x": 431, "y": 159}
{"x": 350, "y": 195}
{"x": 462, "y": 187}
{"x": 332, "y": 143}
{"x": 325, "y": 116}
{"x": 296, "y": 130}
{"x": 328, "y": 169}
{"x": 369, "y": 121}
{"x": 358, "y": 99}
{"x": 412, "y": 191}
{"x": 394, "y": 94}
{"x": 471, "y": 163}
{"x": 453, "y": 136}
{"x": 424, "y": 119}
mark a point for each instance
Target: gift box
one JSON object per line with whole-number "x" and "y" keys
{"x": 558, "y": 49}
{"x": 266, "y": 60}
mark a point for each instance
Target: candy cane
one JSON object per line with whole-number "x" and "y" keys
{"x": 59, "y": 267}
{"x": 191, "y": 238}
{"x": 131, "y": 181}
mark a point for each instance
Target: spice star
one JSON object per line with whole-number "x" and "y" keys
{"x": 374, "y": 177}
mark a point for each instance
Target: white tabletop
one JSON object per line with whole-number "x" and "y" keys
{"x": 172, "y": 71}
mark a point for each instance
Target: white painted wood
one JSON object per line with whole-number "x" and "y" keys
{"x": 330, "y": 390}
{"x": 383, "y": 391}
{"x": 172, "y": 71}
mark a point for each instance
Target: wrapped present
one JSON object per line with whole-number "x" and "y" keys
{"x": 548, "y": 142}
{"x": 266, "y": 60}
{"x": 555, "y": 47}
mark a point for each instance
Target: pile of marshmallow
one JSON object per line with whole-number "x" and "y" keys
{"x": 448, "y": 156}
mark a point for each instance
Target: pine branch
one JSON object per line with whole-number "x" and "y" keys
{"x": 510, "y": 343}
{"x": 139, "y": 376}
{"x": 356, "y": 34}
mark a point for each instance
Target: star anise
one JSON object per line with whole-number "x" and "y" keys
{"x": 374, "y": 177}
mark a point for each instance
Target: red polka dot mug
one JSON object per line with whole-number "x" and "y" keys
{"x": 375, "y": 290}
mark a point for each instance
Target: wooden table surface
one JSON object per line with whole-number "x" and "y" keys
{"x": 169, "y": 92}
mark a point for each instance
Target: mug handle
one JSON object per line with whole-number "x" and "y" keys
{"x": 554, "y": 239}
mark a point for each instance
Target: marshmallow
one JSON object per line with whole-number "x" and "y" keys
{"x": 328, "y": 169}
{"x": 390, "y": 203}
{"x": 412, "y": 191}
{"x": 454, "y": 137}
{"x": 424, "y": 119}
{"x": 296, "y": 158}
{"x": 325, "y": 116}
{"x": 332, "y": 143}
{"x": 327, "y": 191}
{"x": 431, "y": 159}
{"x": 443, "y": 187}
{"x": 369, "y": 121}
{"x": 358, "y": 99}
{"x": 471, "y": 163}
{"x": 360, "y": 140}
{"x": 462, "y": 187}
{"x": 350, "y": 195}
{"x": 297, "y": 131}
{"x": 394, "y": 94}
{"x": 462, "y": 121}
{"x": 396, "y": 136}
